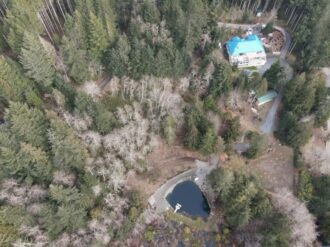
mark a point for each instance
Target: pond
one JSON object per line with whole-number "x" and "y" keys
{"x": 191, "y": 199}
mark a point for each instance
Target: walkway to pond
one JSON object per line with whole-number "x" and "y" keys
{"x": 158, "y": 199}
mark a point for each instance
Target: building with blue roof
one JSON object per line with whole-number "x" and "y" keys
{"x": 245, "y": 52}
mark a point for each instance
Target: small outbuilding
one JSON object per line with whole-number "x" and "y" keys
{"x": 268, "y": 97}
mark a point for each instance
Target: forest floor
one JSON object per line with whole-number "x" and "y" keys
{"x": 165, "y": 162}
{"x": 317, "y": 151}
{"x": 275, "y": 167}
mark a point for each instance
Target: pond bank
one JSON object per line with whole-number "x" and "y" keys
{"x": 158, "y": 200}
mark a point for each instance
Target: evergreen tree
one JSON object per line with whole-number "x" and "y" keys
{"x": 104, "y": 121}
{"x": 75, "y": 46}
{"x": 209, "y": 141}
{"x": 105, "y": 11}
{"x": 292, "y": 132}
{"x": 221, "y": 82}
{"x": 29, "y": 164}
{"x": 258, "y": 144}
{"x": 276, "y": 232}
{"x": 27, "y": 124}
{"x": 240, "y": 196}
{"x": 169, "y": 129}
{"x": 22, "y": 18}
{"x": 320, "y": 206}
{"x": 76, "y": 60}
{"x": 163, "y": 63}
{"x": 70, "y": 213}
{"x": 37, "y": 62}
{"x": 117, "y": 57}
{"x": 299, "y": 95}
{"x": 13, "y": 85}
{"x": 150, "y": 12}
{"x": 275, "y": 76}
{"x": 322, "y": 113}
{"x": 97, "y": 37}
{"x": 232, "y": 129}
{"x": 196, "y": 19}
{"x": 84, "y": 104}
{"x": 148, "y": 60}
{"x": 175, "y": 19}
{"x": 191, "y": 137}
{"x": 135, "y": 60}
{"x": 68, "y": 151}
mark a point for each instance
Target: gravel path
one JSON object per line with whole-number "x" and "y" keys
{"x": 268, "y": 125}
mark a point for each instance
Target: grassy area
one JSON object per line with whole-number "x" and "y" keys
{"x": 252, "y": 68}
{"x": 195, "y": 224}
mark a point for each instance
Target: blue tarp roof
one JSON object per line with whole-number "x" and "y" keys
{"x": 251, "y": 43}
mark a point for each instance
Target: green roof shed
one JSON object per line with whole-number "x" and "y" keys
{"x": 269, "y": 96}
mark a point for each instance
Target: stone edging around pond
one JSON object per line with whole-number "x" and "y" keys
{"x": 158, "y": 200}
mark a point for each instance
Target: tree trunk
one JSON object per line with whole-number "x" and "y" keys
{"x": 55, "y": 14}
{"x": 51, "y": 16}
{"x": 292, "y": 47}
{"x": 46, "y": 29}
{"x": 297, "y": 22}
{"x": 4, "y": 4}
{"x": 61, "y": 9}
{"x": 2, "y": 14}
{"x": 48, "y": 22}
{"x": 266, "y": 5}
{"x": 70, "y": 6}
{"x": 291, "y": 15}
{"x": 292, "y": 21}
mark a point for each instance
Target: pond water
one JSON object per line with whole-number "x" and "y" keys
{"x": 191, "y": 198}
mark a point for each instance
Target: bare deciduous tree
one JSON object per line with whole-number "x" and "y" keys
{"x": 64, "y": 178}
{"x": 302, "y": 225}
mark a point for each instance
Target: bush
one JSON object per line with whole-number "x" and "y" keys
{"x": 149, "y": 235}
{"x": 104, "y": 121}
{"x": 298, "y": 159}
{"x": 276, "y": 232}
{"x": 210, "y": 104}
{"x": 305, "y": 186}
{"x": 169, "y": 129}
{"x": 268, "y": 29}
{"x": 231, "y": 130}
{"x": 68, "y": 91}
{"x": 258, "y": 144}
{"x": 320, "y": 206}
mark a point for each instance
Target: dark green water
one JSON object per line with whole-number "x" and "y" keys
{"x": 191, "y": 198}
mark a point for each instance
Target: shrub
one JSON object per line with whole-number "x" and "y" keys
{"x": 258, "y": 144}
{"x": 298, "y": 160}
{"x": 305, "y": 186}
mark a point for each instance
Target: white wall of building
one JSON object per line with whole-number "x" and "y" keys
{"x": 248, "y": 59}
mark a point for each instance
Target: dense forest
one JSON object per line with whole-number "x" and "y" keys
{"x": 66, "y": 148}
